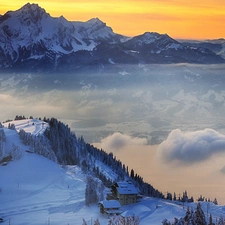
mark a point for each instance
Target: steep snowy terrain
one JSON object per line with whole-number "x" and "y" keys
{"x": 35, "y": 190}
{"x": 48, "y": 37}
{"x": 55, "y": 34}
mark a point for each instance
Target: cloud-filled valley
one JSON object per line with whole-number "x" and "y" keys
{"x": 130, "y": 110}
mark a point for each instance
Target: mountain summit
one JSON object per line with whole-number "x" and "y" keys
{"x": 30, "y": 39}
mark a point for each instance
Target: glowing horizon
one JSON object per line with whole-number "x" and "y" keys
{"x": 178, "y": 18}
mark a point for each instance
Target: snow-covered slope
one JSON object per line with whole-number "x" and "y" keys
{"x": 33, "y": 126}
{"x": 35, "y": 190}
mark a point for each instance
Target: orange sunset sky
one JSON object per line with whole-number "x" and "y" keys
{"x": 192, "y": 19}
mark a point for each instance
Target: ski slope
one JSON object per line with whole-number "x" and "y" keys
{"x": 35, "y": 190}
{"x": 33, "y": 126}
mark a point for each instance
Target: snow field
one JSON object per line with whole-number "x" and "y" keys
{"x": 33, "y": 126}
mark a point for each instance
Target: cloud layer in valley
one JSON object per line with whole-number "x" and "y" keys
{"x": 117, "y": 141}
{"x": 191, "y": 147}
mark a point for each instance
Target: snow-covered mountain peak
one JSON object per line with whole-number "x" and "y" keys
{"x": 95, "y": 29}
{"x": 31, "y": 33}
{"x": 155, "y": 35}
{"x": 30, "y": 13}
{"x": 32, "y": 8}
{"x": 95, "y": 21}
{"x": 23, "y": 26}
{"x": 150, "y": 37}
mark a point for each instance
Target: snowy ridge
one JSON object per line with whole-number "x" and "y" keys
{"x": 33, "y": 126}
{"x": 48, "y": 33}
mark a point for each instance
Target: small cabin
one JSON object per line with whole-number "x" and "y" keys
{"x": 124, "y": 192}
{"x": 110, "y": 207}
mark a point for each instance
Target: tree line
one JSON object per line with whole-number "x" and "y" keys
{"x": 195, "y": 217}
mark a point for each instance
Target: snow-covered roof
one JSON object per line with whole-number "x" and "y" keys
{"x": 126, "y": 188}
{"x": 117, "y": 211}
{"x": 127, "y": 213}
{"x": 110, "y": 204}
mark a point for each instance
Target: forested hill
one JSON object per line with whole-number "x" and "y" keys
{"x": 60, "y": 144}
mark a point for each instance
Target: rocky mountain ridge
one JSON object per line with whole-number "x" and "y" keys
{"x": 30, "y": 39}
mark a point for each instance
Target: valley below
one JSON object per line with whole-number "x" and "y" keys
{"x": 130, "y": 110}
{"x": 145, "y": 101}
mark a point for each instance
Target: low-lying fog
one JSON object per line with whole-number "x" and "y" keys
{"x": 164, "y": 121}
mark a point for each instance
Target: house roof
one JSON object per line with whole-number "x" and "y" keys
{"x": 126, "y": 188}
{"x": 128, "y": 213}
{"x": 110, "y": 204}
{"x": 115, "y": 211}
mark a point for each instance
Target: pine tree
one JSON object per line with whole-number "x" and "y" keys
{"x": 132, "y": 173}
{"x": 174, "y": 197}
{"x": 191, "y": 199}
{"x": 11, "y": 126}
{"x": 96, "y": 222}
{"x": 215, "y": 201}
{"x": 200, "y": 216}
{"x": 201, "y": 198}
{"x": 90, "y": 191}
{"x": 2, "y": 140}
{"x": 166, "y": 222}
{"x": 220, "y": 221}
{"x": 187, "y": 215}
{"x": 169, "y": 196}
{"x": 191, "y": 218}
{"x": 84, "y": 222}
{"x": 15, "y": 152}
{"x": 185, "y": 196}
{"x": 210, "y": 220}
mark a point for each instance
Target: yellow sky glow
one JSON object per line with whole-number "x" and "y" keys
{"x": 178, "y": 18}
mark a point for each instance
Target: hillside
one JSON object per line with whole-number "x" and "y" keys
{"x": 36, "y": 190}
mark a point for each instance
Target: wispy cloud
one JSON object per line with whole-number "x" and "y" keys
{"x": 191, "y": 147}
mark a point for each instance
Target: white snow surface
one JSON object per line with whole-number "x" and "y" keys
{"x": 35, "y": 190}
{"x": 33, "y": 126}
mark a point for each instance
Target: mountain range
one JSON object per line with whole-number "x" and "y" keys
{"x": 32, "y": 40}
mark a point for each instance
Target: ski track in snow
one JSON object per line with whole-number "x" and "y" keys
{"x": 76, "y": 202}
{"x": 33, "y": 126}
